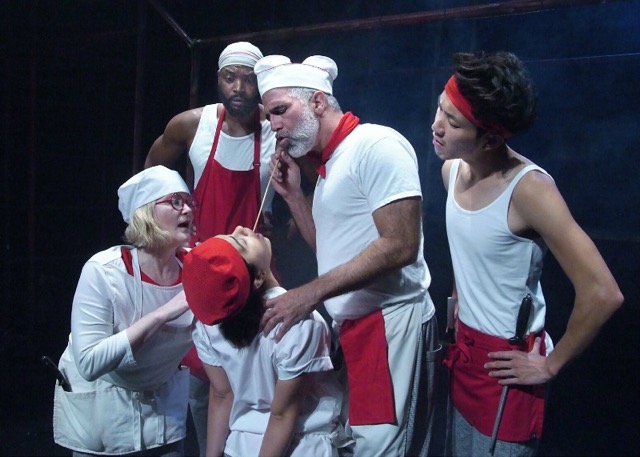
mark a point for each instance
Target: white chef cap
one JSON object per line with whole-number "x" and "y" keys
{"x": 239, "y": 53}
{"x": 315, "y": 72}
{"x": 148, "y": 185}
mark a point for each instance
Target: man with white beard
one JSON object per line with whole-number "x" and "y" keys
{"x": 365, "y": 226}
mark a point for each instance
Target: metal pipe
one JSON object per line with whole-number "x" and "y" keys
{"x": 464, "y": 12}
{"x": 194, "y": 88}
{"x": 174, "y": 25}
{"x": 141, "y": 42}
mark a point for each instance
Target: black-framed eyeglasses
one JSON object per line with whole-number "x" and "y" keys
{"x": 177, "y": 201}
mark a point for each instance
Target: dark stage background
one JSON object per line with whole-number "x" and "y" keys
{"x": 88, "y": 85}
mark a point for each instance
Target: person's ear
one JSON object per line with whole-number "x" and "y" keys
{"x": 318, "y": 101}
{"x": 259, "y": 279}
{"x": 493, "y": 141}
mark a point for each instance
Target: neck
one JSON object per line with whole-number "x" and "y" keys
{"x": 239, "y": 126}
{"x": 328, "y": 123}
{"x": 270, "y": 281}
{"x": 160, "y": 265}
{"x": 498, "y": 161}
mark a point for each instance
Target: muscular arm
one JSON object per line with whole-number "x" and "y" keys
{"x": 284, "y": 413}
{"x": 538, "y": 205}
{"x": 398, "y": 224}
{"x": 175, "y": 141}
{"x": 220, "y": 403}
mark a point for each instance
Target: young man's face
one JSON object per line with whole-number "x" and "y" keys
{"x": 238, "y": 90}
{"x": 454, "y": 136}
{"x": 295, "y": 123}
{"x": 254, "y": 248}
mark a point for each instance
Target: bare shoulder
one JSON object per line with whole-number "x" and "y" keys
{"x": 188, "y": 117}
{"x": 183, "y": 126}
{"x": 446, "y": 167}
{"x": 537, "y": 202}
{"x": 534, "y": 183}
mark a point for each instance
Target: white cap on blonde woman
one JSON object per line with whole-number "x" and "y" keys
{"x": 147, "y": 186}
{"x": 315, "y": 72}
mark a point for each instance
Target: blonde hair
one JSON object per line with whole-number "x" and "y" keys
{"x": 144, "y": 232}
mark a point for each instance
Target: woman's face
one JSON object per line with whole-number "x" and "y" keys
{"x": 174, "y": 213}
{"x": 254, "y": 248}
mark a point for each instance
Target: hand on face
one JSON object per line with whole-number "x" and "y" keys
{"x": 286, "y": 174}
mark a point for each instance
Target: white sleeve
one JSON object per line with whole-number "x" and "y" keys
{"x": 389, "y": 172}
{"x": 204, "y": 346}
{"x": 96, "y": 349}
{"x": 304, "y": 348}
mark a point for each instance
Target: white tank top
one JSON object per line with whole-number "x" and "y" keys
{"x": 493, "y": 267}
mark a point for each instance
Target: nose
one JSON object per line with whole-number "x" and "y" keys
{"x": 240, "y": 230}
{"x": 437, "y": 125}
{"x": 276, "y": 123}
{"x": 238, "y": 85}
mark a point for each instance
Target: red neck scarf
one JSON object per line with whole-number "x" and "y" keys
{"x": 347, "y": 123}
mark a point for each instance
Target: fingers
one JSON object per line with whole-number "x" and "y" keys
{"x": 536, "y": 345}
{"x": 268, "y": 322}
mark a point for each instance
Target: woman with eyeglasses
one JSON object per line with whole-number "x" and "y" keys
{"x": 130, "y": 327}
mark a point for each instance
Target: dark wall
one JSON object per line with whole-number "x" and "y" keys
{"x": 70, "y": 71}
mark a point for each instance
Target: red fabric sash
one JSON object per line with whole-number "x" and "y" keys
{"x": 476, "y": 395}
{"x": 347, "y": 123}
{"x": 465, "y": 108}
{"x": 364, "y": 346}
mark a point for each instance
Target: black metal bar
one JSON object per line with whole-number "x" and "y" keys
{"x": 141, "y": 42}
{"x": 174, "y": 25}
{"x": 464, "y": 12}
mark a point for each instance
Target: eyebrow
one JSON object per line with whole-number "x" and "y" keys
{"x": 236, "y": 71}
{"x": 241, "y": 246}
{"x": 447, "y": 113}
{"x": 281, "y": 107}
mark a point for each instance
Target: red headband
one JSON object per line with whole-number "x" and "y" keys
{"x": 464, "y": 106}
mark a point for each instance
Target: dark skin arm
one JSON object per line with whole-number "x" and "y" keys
{"x": 175, "y": 141}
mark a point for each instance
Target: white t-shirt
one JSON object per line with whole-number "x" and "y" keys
{"x": 253, "y": 372}
{"x": 372, "y": 167}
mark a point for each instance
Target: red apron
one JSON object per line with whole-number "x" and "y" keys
{"x": 364, "y": 346}
{"x": 476, "y": 395}
{"x": 227, "y": 198}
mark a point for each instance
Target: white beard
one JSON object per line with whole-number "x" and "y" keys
{"x": 303, "y": 135}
